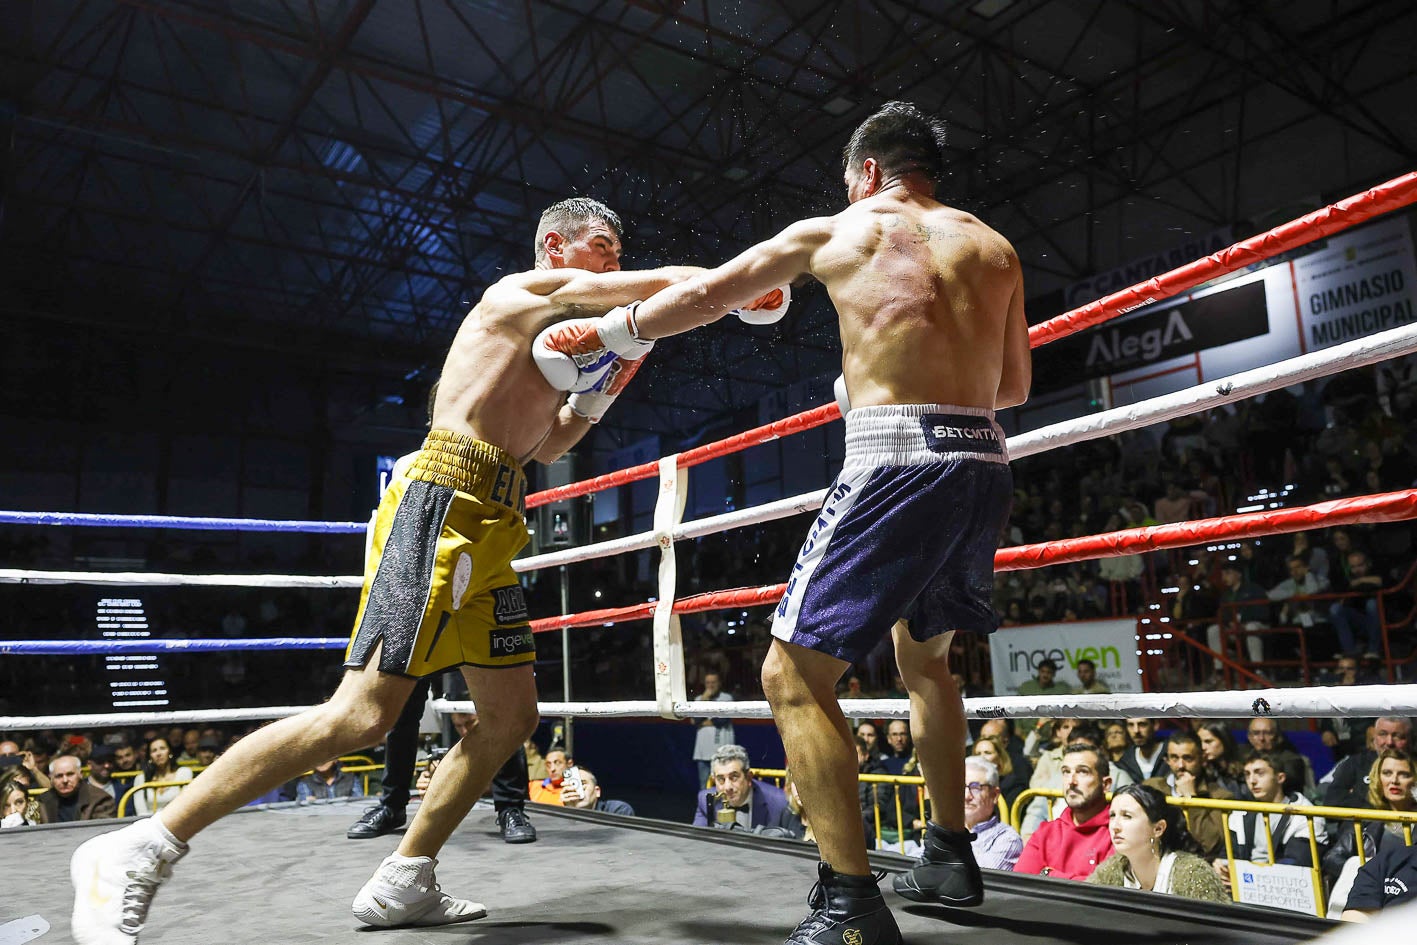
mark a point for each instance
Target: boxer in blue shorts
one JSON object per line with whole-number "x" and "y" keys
{"x": 934, "y": 340}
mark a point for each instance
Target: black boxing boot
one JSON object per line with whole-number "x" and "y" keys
{"x": 947, "y": 874}
{"x": 846, "y": 910}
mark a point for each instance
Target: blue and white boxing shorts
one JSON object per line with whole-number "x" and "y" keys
{"x": 908, "y": 531}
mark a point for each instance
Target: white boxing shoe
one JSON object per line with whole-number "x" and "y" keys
{"x": 115, "y": 877}
{"x": 402, "y": 891}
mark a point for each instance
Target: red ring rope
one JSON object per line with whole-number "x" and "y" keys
{"x": 1392, "y": 195}
{"x": 1382, "y": 507}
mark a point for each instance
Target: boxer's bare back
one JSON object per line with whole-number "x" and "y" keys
{"x": 930, "y": 299}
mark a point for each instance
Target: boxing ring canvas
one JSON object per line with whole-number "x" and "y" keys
{"x": 285, "y": 874}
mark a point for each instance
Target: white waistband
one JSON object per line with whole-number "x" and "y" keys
{"x": 893, "y": 435}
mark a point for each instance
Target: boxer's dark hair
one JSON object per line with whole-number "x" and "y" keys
{"x": 902, "y": 139}
{"x": 570, "y": 217}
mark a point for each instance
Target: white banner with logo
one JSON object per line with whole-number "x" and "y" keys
{"x": 1361, "y": 282}
{"x": 1281, "y": 886}
{"x": 1015, "y": 653}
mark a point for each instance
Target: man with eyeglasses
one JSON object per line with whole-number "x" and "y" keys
{"x": 996, "y": 844}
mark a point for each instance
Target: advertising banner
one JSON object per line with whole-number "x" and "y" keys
{"x": 1015, "y": 653}
{"x": 1156, "y": 335}
{"x": 1281, "y": 886}
{"x": 1360, "y": 283}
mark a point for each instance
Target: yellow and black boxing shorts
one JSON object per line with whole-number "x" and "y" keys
{"x": 439, "y": 589}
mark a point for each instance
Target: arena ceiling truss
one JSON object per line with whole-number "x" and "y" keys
{"x": 348, "y": 175}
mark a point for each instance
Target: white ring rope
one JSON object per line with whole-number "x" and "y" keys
{"x": 1305, "y": 702}
{"x": 1361, "y": 352}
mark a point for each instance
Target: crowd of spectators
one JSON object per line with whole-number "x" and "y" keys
{"x": 1136, "y": 838}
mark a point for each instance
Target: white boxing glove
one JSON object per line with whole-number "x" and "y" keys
{"x": 768, "y": 309}
{"x": 843, "y": 400}
{"x": 574, "y": 355}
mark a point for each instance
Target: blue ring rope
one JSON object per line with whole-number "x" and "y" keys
{"x": 182, "y": 521}
{"x": 100, "y": 647}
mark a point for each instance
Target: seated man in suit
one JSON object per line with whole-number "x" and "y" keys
{"x": 737, "y": 800}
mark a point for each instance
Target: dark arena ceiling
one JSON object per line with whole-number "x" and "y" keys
{"x": 341, "y": 178}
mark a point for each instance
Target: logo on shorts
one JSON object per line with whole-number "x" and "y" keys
{"x": 510, "y": 642}
{"x": 509, "y": 605}
{"x": 946, "y": 433}
{"x": 462, "y": 577}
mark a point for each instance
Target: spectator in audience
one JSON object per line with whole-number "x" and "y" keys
{"x": 1047, "y": 774}
{"x": 1253, "y": 616}
{"x": 1266, "y": 776}
{"x": 1187, "y": 779}
{"x": 1146, "y": 758}
{"x": 1264, "y": 735}
{"x": 581, "y": 789}
{"x": 871, "y": 735}
{"x": 991, "y": 749}
{"x": 1301, "y": 583}
{"x": 1222, "y": 758}
{"x": 900, "y": 760}
{"x": 1044, "y": 684}
{"x": 1003, "y": 730}
{"x": 207, "y": 749}
{"x": 191, "y": 738}
{"x": 1115, "y": 741}
{"x": 1087, "y": 678}
{"x": 1174, "y": 506}
{"x": 1347, "y": 785}
{"x": 17, "y": 808}
{"x": 1388, "y": 879}
{"x": 1313, "y": 555}
{"x": 35, "y": 774}
{"x": 548, "y": 790}
{"x": 900, "y": 751}
{"x": 41, "y": 750}
{"x": 1151, "y": 849}
{"x": 1349, "y": 612}
{"x": 328, "y": 781}
{"x": 163, "y": 767}
{"x": 737, "y": 800}
{"x": 72, "y": 798}
{"x": 101, "y": 770}
{"x": 1071, "y": 845}
{"x": 996, "y": 844}
{"x": 712, "y": 733}
{"x": 1390, "y": 787}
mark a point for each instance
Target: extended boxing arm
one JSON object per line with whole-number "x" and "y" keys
{"x": 593, "y": 293}
{"x": 737, "y": 283}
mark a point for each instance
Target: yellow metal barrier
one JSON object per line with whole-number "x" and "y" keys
{"x": 1358, "y": 815}
{"x": 150, "y": 786}
{"x": 363, "y": 769}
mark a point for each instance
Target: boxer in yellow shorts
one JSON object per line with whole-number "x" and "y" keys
{"x": 439, "y": 589}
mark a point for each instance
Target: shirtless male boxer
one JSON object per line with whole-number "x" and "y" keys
{"x": 439, "y": 591}
{"x": 934, "y": 341}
